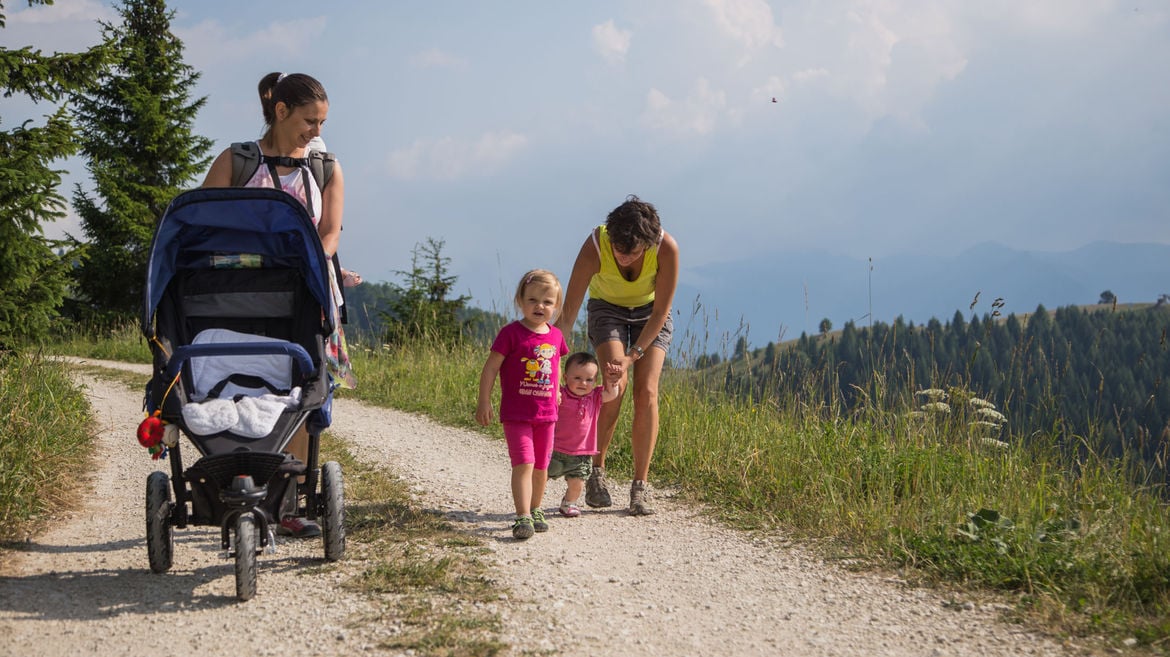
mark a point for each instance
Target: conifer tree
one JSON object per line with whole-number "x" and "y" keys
{"x": 136, "y": 132}
{"x": 32, "y": 277}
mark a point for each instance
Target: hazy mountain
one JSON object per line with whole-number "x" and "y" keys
{"x": 790, "y": 292}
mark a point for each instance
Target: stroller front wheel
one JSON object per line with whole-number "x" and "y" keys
{"x": 160, "y": 536}
{"x": 245, "y": 545}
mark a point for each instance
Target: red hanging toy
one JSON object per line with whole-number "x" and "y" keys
{"x": 150, "y": 435}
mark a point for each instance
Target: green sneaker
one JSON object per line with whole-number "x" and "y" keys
{"x": 538, "y": 521}
{"x": 522, "y": 529}
{"x": 596, "y": 492}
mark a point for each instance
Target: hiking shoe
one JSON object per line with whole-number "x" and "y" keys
{"x": 522, "y": 528}
{"x": 640, "y": 499}
{"x": 538, "y": 522}
{"x": 298, "y": 527}
{"x": 596, "y": 490}
{"x": 569, "y": 509}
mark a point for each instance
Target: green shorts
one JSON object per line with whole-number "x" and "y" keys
{"x": 570, "y": 466}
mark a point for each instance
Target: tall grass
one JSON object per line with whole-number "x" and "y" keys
{"x": 1066, "y": 531}
{"x": 44, "y": 440}
{"x": 122, "y": 343}
{"x": 1083, "y": 549}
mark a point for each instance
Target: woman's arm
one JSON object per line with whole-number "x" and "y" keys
{"x": 220, "y": 173}
{"x": 587, "y": 264}
{"x": 333, "y": 200}
{"x": 665, "y": 283}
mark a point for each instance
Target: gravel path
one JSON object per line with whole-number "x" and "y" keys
{"x": 604, "y": 584}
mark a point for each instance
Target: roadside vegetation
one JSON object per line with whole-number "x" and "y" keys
{"x": 938, "y": 487}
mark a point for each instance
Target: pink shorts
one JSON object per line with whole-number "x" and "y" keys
{"x": 529, "y": 442}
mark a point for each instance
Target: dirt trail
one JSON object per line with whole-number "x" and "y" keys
{"x": 604, "y": 584}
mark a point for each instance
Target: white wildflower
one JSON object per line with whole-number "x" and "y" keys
{"x": 937, "y": 407}
{"x": 984, "y": 424}
{"x": 934, "y": 394}
{"x": 980, "y": 403}
{"x": 991, "y": 415}
{"x": 992, "y": 442}
{"x": 916, "y": 415}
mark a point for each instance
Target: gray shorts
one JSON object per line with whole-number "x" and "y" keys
{"x": 570, "y": 466}
{"x": 609, "y": 322}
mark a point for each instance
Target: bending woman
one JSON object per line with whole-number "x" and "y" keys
{"x": 629, "y": 265}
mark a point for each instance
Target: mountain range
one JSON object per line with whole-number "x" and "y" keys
{"x": 778, "y": 297}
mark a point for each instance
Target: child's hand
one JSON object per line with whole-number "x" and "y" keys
{"x": 483, "y": 413}
{"x": 615, "y": 369}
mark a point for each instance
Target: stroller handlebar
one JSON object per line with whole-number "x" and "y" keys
{"x": 291, "y": 349}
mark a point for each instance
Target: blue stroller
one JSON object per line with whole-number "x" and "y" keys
{"x": 237, "y": 308}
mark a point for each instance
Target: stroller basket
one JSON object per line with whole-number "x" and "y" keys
{"x": 220, "y": 469}
{"x": 211, "y": 475}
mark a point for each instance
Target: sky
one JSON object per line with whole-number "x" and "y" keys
{"x": 864, "y": 128}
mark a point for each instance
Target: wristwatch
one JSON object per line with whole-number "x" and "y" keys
{"x": 637, "y": 350}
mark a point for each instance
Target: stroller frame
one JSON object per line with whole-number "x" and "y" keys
{"x": 239, "y": 262}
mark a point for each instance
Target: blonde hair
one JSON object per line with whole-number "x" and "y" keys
{"x": 545, "y": 279}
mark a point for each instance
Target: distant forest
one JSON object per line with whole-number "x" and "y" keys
{"x": 1096, "y": 374}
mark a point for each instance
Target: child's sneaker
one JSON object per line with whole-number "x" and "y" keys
{"x": 640, "y": 499}
{"x": 538, "y": 522}
{"x": 569, "y": 509}
{"x": 596, "y": 491}
{"x": 522, "y": 528}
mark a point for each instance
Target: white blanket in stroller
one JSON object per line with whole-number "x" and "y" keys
{"x": 250, "y": 417}
{"x": 256, "y": 413}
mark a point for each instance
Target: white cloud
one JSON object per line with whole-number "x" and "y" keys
{"x": 210, "y": 43}
{"x": 611, "y": 42}
{"x": 449, "y": 158}
{"x": 750, "y": 22}
{"x": 810, "y": 74}
{"x": 61, "y": 12}
{"x": 695, "y": 115}
{"x": 436, "y": 58}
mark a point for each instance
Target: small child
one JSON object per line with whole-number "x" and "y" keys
{"x": 575, "y": 437}
{"x": 526, "y": 357}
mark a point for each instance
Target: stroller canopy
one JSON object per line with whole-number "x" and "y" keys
{"x": 234, "y": 220}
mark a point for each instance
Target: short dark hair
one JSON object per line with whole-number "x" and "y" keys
{"x": 633, "y": 224}
{"x": 580, "y": 358}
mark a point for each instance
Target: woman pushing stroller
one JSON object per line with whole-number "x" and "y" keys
{"x": 295, "y": 107}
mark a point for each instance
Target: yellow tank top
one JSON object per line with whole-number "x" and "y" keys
{"x": 609, "y": 285}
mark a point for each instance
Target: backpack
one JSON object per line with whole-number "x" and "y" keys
{"x": 246, "y": 159}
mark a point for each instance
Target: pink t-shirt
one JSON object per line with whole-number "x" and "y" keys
{"x": 576, "y": 431}
{"x": 530, "y": 372}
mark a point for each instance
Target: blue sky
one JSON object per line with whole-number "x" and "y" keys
{"x": 510, "y": 129}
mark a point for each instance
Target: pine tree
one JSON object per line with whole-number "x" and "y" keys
{"x": 137, "y": 135}
{"x": 32, "y": 277}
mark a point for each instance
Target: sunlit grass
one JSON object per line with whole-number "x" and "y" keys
{"x": 45, "y": 441}
{"x": 947, "y": 500}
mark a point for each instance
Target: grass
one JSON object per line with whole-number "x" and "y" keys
{"x": 44, "y": 441}
{"x": 1065, "y": 534}
{"x": 430, "y": 577}
{"x": 1079, "y": 549}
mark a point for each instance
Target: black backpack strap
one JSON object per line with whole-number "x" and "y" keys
{"x": 245, "y": 161}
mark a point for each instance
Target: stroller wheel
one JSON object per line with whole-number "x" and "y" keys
{"x": 333, "y": 525}
{"x": 160, "y": 536}
{"x": 246, "y": 541}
